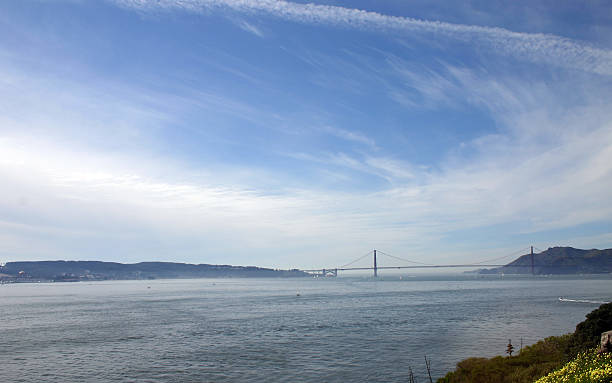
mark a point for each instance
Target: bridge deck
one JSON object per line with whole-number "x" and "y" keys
{"x": 403, "y": 267}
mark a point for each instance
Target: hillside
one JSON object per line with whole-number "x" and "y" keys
{"x": 539, "y": 359}
{"x": 560, "y": 260}
{"x": 95, "y": 270}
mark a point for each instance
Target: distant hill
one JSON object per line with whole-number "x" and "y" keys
{"x": 95, "y": 270}
{"x": 559, "y": 260}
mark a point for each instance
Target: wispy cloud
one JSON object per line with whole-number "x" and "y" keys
{"x": 392, "y": 170}
{"x": 537, "y": 47}
{"x": 349, "y": 135}
{"x": 420, "y": 87}
{"x": 248, "y": 27}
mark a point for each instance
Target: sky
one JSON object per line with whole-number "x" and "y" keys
{"x": 294, "y": 134}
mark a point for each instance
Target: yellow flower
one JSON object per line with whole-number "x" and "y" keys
{"x": 588, "y": 367}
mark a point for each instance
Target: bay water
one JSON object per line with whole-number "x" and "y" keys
{"x": 279, "y": 330}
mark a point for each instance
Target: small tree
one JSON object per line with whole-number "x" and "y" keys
{"x": 428, "y": 365}
{"x": 411, "y": 378}
{"x": 509, "y": 348}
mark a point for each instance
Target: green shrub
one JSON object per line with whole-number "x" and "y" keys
{"x": 588, "y": 333}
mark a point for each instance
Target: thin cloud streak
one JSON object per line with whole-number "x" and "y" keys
{"x": 536, "y": 47}
{"x": 349, "y": 135}
{"x": 248, "y": 27}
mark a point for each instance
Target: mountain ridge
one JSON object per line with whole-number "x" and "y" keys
{"x": 99, "y": 270}
{"x": 559, "y": 260}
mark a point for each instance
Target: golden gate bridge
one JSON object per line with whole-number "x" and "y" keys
{"x": 375, "y": 254}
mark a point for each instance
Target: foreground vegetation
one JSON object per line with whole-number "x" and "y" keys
{"x": 588, "y": 367}
{"x": 536, "y": 361}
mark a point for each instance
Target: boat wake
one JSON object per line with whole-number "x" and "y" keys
{"x": 581, "y": 301}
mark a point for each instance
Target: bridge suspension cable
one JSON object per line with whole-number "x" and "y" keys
{"x": 502, "y": 257}
{"x": 403, "y": 259}
{"x": 356, "y": 260}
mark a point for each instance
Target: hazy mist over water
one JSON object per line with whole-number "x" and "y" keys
{"x": 260, "y": 330}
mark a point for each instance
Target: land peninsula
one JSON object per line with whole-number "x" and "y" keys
{"x": 559, "y": 260}
{"x": 74, "y": 271}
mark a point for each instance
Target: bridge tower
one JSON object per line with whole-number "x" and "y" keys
{"x": 532, "y": 270}
{"x": 375, "y": 267}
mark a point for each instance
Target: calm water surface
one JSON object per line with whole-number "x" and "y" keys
{"x": 259, "y": 330}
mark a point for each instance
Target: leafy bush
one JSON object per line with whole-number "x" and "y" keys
{"x": 588, "y": 333}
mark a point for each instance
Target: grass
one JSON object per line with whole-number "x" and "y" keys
{"x": 533, "y": 362}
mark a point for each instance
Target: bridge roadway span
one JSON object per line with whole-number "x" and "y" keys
{"x": 333, "y": 272}
{"x": 400, "y": 267}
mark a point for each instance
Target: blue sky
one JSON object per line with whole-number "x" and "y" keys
{"x": 299, "y": 134}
